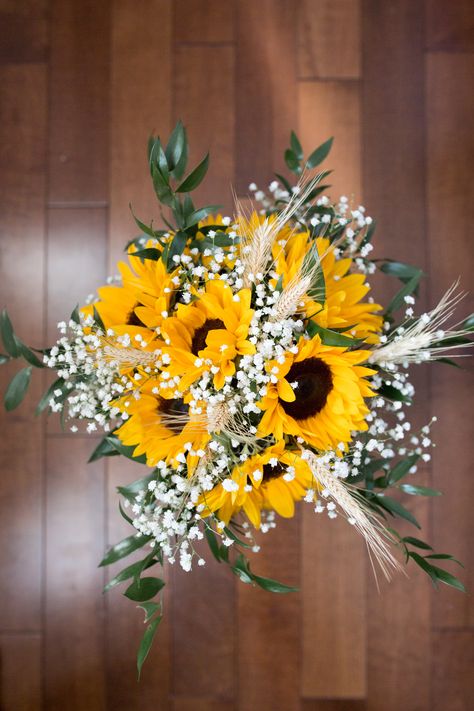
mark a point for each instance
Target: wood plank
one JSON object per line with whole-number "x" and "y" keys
{"x": 24, "y": 31}
{"x": 203, "y": 21}
{"x": 449, "y": 26}
{"x": 76, "y": 266}
{"x": 269, "y": 638}
{"x": 450, "y": 156}
{"x": 333, "y": 557}
{"x": 140, "y": 104}
{"x": 22, "y": 123}
{"x": 333, "y": 705}
{"x": 79, "y": 101}
{"x": 20, "y": 672}
{"x": 329, "y": 39}
{"x": 202, "y": 602}
{"x": 202, "y": 80}
{"x": 393, "y": 183}
{"x": 453, "y": 662}
{"x": 74, "y": 614}
{"x": 328, "y": 109}
{"x": 266, "y": 88}
{"x": 125, "y": 621}
{"x": 200, "y": 704}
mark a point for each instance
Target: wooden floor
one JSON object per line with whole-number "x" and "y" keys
{"x": 83, "y": 83}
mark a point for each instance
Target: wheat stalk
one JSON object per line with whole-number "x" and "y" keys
{"x": 356, "y": 512}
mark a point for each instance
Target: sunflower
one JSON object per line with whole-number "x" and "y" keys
{"x": 343, "y": 307}
{"x": 143, "y": 298}
{"x": 208, "y": 334}
{"x": 317, "y": 394}
{"x": 162, "y": 429}
{"x": 273, "y": 479}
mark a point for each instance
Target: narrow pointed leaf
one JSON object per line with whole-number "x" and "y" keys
{"x": 8, "y": 337}
{"x": 147, "y": 641}
{"x": 419, "y": 490}
{"x": 319, "y": 154}
{"x": 144, "y": 589}
{"x": 16, "y": 390}
{"x": 195, "y": 178}
{"x": 123, "y": 549}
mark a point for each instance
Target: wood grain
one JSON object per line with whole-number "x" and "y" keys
{"x": 204, "y": 21}
{"x": 125, "y": 620}
{"x": 74, "y": 645}
{"x": 450, "y": 148}
{"x": 333, "y": 558}
{"x": 203, "y": 602}
{"x": 453, "y": 661}
{"x": 24, "y": 31}
{"x": 20, "y": 672}
{"x": 449, "y": 26}
{"x": 329, "y": 42}
{"x": 79, "y": 101}
{"x": 398, "y": 620}
{"x": 266, "y": 88}
{"x": 140, "y": 104}
{"x": 22, "y": 123}
{"x": 204, "y": 79}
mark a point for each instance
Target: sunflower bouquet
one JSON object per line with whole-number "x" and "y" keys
{"x": 243, "y": 361}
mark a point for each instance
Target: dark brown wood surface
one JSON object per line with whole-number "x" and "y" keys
{"x": 82, "y": 85}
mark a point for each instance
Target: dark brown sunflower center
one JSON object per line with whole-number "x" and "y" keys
{"x": 313, "y": 384}
{"x": 200, "y": 334}
{"x": 270, "y": 472}
{"x": 173, "y": 411}
{"x": 132, "y": 318}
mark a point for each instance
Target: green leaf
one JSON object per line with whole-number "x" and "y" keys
{"x": 144, "y": 589}
{"x": 8, "y": 337}
{"x": 147, "y": 641}
{"x": 16, "y": 390}
{"x": 468, "y": 323}
{"x": 123, "y": 549}
{"x": 150, "y": 608}
{"x": 416, "y": 542}
{"x": 437, "y": 574}
{"x": 291, "y": 160}
{"x": 161, "y": 186}
{"x": 273, "y": 585}
{"x": 241, "y": 569}
{"x": 195, "y": 177}
{"x": 174, "y": 248}
{"x": 312, "y": 264}
{"x": 176, "y": 151}
{"x": 330, "y": 338}
{"x": 319, "y": 154}
{"x": 75, "y": 315}
{"x": 284, "y": 182}
{"x": 392, "y": 393}
{"x": 103, "y": 449}
{"x": 396, "y": 508}
{"x": 129, "y": 572}
{"x": 98, "y": 320}
{"x": 402, "y": 271}
{"x": 4, "y": 358}
{"x": 444, "y": 556}
{"x": 43, "y": 403}
{"x": 230, "y": 534}
{"x": 29, "y": 356}
{"x": 131, "y": 490}
{"x": 419, "y": 490}
{"x": 296, "y": 146}
{"x": 402, "y": 468}
{"x": 125, "y": 450}
{"x": 124, "y": 515}
{"x": 409, "y": 288}
{"x": 201, "y": 214}
{"x": 212, "y": 543}
{"x": 151, "y": 253}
